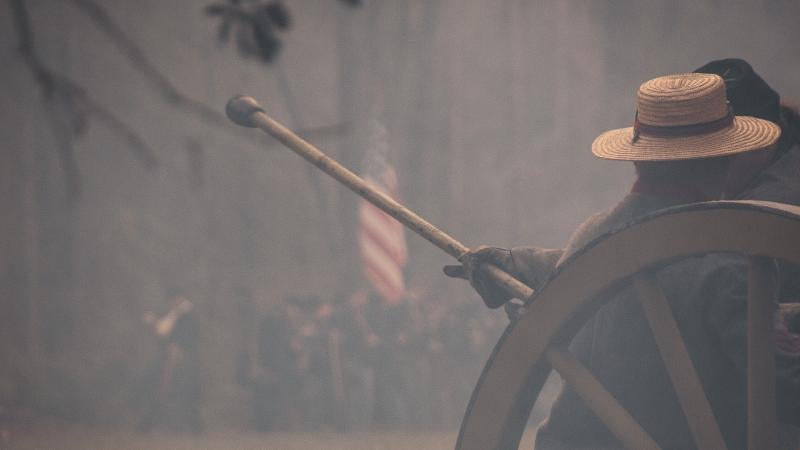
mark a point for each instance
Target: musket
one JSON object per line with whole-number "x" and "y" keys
{"x": 245, "y": 111}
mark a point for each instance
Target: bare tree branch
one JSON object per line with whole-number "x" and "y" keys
{"x": 46, "y": 82}
{"x": 166, "y": 88}
{"x": 69, "y": 106}
{"x": 142, "y": 152}
{"x": 131, "y": 50}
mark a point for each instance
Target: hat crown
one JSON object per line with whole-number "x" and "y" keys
{"x": 682, "y": 99}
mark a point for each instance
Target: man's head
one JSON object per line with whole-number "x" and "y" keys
{"x": 693, "y": 180}
{"x": 685, "y": 133}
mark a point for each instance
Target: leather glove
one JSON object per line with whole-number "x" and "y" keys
{"x": 493, "y": 295}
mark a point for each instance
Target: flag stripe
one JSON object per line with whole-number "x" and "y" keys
{"x": 389, "y": 293}
{"x": 376, "y": 259}
{"x": 370, "y": 211}
{"x": 381, "y": 238}
{"x": 390, "y": 281}
{"x": 394, "y": 247}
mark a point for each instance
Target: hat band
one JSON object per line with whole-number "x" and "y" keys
{"x": 680, "y": 130}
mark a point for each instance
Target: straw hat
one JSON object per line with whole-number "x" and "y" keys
{"x": 684, "y": 116}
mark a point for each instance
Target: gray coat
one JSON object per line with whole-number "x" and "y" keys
{"x": 780, "y": 182}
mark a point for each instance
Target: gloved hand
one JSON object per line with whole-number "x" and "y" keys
{"x": 493, "y": 295}
{"x": 531, "y": 265}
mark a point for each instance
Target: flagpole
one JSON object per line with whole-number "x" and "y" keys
{"x": 245, "y": 111}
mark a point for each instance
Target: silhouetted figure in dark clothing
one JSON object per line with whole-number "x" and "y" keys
{"x": 175, "y": 384}
{"x": 273, "y": 380}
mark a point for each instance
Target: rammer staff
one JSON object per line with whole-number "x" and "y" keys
{"x": 245, "y": 111}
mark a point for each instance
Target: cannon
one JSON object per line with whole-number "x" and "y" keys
{"x": 536, "y": 343}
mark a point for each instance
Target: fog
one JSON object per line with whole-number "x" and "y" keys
{"x": 123, "y": 186}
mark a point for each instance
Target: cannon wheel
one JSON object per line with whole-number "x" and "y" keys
{"x": 529, "y": 348}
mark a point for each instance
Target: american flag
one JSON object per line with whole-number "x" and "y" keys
{"x": 381, "y": 238}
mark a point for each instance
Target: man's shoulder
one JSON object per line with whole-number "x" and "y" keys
{"x": 594, "y": 226}
{"x": 604, "y": 222}
{"x": 780, "y": 182}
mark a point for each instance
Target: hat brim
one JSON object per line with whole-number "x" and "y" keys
{"x": 746, "y": 134}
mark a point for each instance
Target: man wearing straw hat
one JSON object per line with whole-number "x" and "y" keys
{"x": 770, "y": 175}
{"x": 682, "y": 143}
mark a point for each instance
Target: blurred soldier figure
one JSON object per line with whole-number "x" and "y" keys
{"x": 274, "y": 366}
{"x": 328, "y": 366}
{"x": 386, "y": 337}
{"x": 176, "y": 384}
{"x": 266, "y": 363}
{"x": 676, "y": 163}
{"x": 310, "y": 343}
{"x": 360, "y": 343}
{"x": 271, "y": 374}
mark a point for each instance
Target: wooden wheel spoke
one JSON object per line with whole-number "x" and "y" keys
{"x": 600, "y": 401}
{"x": 761, "y": 290}
{"x": 691, "y": 395}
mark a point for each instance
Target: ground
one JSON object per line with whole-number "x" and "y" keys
{"x": 61, "y": 436}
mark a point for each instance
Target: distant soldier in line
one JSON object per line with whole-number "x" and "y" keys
{"x": 175, "y": 383}
{"x": 310, "y": 343}
{"x": 272, "y": 376}
{"x": 359, "y": 344}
